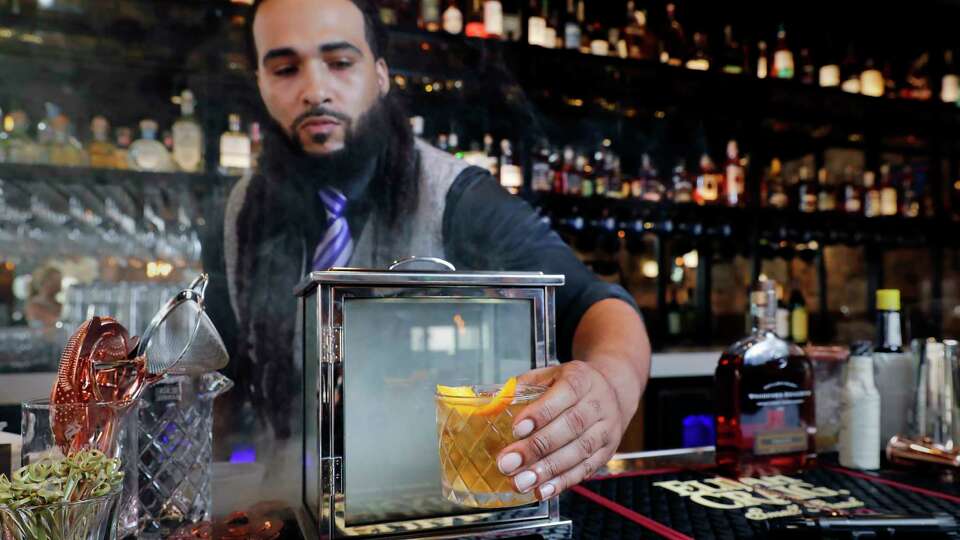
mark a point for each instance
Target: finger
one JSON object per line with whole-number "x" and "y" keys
{"x": 572, "y": 385}
{"x": 553, "y": 466}
{"x": 582, "y": 471}
{"x": 540, "y": 377}
{"x": 566, "y": 428}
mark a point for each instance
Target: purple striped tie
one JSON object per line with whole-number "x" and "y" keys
{"x": 336, "y": 247}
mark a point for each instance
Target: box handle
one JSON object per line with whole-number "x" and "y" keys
{"x": 410, "y": 260}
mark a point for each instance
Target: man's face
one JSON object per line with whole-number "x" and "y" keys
{"x": 316, "y": 72}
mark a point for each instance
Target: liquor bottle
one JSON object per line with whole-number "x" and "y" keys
{"x": 889, "y": 197}
{"x": 573, "y": 26}
{"x": 536, "y": 25}
{"x": 64, "y": 149}
{"x": 871, "y": 80}
{"x": 829, "y": 76}
{"x": 234, "y": 149}
{"x": 586, "y": 177}
{"x": 514, "y": 28}
{"x": 918, "y": 79}
{"x": 674, "y": 41}
{"x": 808, "y": 71}
{"x": 765, "y": 415}
{"x": 734, "y": 60}
{"x": 256, "y": 144}
{"x": 511, "y": 175}
{"x": 402, "y": 13}
{"x": 851, "y": 197}
{"x": 453, "y": 145}
{"x": 763, "y": 68}
{"x": 492, "y": 162}
{"x": 674, "y": 316}
{"x": 826, "y": 195}
{"x": 950, "y": 85}
{"x": 889, "y": 336}
{"x": 851, "y": 73}
{"x": 102, "y": 152}
{"x": 541, "y": 179}
{"x": 124, "y": 139}
{"x": 599, "y": 42}
{"x": 188, "y": 136}
{"x": 561, "y": 169}
{"x": 550, "y": 33}
{"x": 475, "y": 23}
{"x": 707, "y": 190}
{"x": 681, "y": 188}
{"x": 891, "y": 91}
{"x": 776, "y": 196}
{"x": 19, "y": 147}
{"x": 601, "y": 171}
{"x": 493, "y": 19}
{"x": 149, "y": 154}
{"x": 783, "y": 66}
{"x": 650, "y": 187}
{"x": 699, "y": 61}
{"x": 871, "y": 195}
{"x": 911, "y": 200}
{"x": 575, "y": 172}
{"x": 783, "y": 314}
{"x": 641, "y": 43}
{"x": 806, "y": 191}
{"x": 734, "y": 178}
{"x": 429, "y": 19}
{"x": 799, "y": 318}
{"x": 442, "y": 143}
{"x": 452, "y": 18}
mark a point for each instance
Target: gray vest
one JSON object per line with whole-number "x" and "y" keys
{"x": 422, "y": 236}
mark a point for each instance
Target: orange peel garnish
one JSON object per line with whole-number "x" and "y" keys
{"x": 462, "y": 398}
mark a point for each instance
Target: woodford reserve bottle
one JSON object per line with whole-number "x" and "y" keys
{"x": 764, "y": 398}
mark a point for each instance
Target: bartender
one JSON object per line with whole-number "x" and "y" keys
{"x": 342, "y": 181}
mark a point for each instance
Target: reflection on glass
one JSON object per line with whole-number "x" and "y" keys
{"x": 389, "y": 380}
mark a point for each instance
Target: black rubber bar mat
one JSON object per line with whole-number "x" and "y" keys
{"x": 697, "y": 504}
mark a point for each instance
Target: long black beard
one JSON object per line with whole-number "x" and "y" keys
{"x": 348, "y": 169}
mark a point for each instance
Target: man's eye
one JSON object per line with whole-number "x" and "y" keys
{"x": 341, "y": 64}
{"x": 285, "y": 71}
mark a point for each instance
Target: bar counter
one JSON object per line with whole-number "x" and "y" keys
{"x": 622, "y": 501}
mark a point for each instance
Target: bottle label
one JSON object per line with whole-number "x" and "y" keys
{"x": 780, "y": 442}
{"x": 571, "y": 36}
{"x": 783, "y": 64}
{"x": 187, "y": 146}
{"x": 541, "y": 180}
{"x": 888, "y": 201}
{"x": 235, "y": 152}
{"x": 511, "y": 177}
{"x": 536, "y": 31}
{"x": 600, "y": 47}
{"x": 892, "y": 337}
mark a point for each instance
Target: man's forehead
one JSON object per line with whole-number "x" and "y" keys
{"x": 308, "y": 24}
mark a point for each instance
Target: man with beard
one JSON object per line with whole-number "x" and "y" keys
{"x": 343, "y": 182}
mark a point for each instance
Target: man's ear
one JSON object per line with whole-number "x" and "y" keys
{"x": 383, "y": 77}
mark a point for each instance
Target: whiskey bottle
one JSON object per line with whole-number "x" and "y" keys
{"x": 734, "y": 178}
{"x": 674, "y": 41}
{"x": 149, "y": 154}
{"x": 574, "y": 166}
{"x": 541, "y": 179}
{"x": 536, "y": 25}
{"x": 806, "y": 191}
{"x": 64, "y": 149}
{"x": 871, "y": 80}
{"x": 826, "y": 196}
{"x": 124, "y": 140}
{"x": 707, "y": 190}
{"x": 493, "y": 19}
{"x": 452, "y": 18}
{"x": 783, "y": 66}
{"x": 235, "y": 150}
{"x": 102, "y": 152}
{"x": 681, "y": 188}
{"x": 765, "y": 413}
{"x": 776, "y": 194}
{"x": 912, "y": 198}
{"x": 19, "y": 147}
{"x": 586, "y": 176}
{"x": 851, "y": 73}
{"x": 641, "y": 43}
{"x": 918, "y": 79}
{"x": 734, "y": 59}
{"x": 475, "y": 23}
{"x": 871, "y": 195}
{"x": 889, "y": 197}
{"x": 573, "y": 26}
{"x": 429, "y": 19}
{"x": 699, "y": 61}
{"x": 799, "y": 317}
{"x": 188, "y": 136}
{"x": 950, "y": 85}
{"x": 511, "y": 175}
{"x": 763, "y": 67}
{"x": 851, "y": 199}
{"x": 650, "y": 187}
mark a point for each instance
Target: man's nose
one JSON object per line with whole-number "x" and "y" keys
{"x": 316, "y": 89}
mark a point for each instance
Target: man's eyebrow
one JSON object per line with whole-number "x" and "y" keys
{"x": 339, "y": 46}
{"x": 284, "y": 52}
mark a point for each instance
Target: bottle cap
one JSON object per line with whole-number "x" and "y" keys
{"x": 888, "y": 300}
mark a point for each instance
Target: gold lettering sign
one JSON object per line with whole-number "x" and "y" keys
{"x": 791, "y": 494}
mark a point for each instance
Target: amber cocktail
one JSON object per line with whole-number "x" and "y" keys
{"x": 474, "y": 423}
